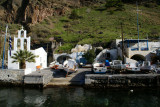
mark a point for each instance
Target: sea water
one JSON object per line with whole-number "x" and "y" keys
{"x": 79, "y": 97}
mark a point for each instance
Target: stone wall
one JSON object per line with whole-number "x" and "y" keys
{"x": 123, "y": 81}
{"x": 38, "y": 78}
{"x": 11, "y": 76}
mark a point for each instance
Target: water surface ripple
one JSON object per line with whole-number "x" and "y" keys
{"x": 79, "y": 97}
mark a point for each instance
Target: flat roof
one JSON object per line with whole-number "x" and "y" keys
{"x": 135, "y": 40}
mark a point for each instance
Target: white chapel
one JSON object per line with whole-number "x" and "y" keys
{"x": 22, "y": 42}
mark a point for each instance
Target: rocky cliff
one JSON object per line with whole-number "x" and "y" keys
{"x": 50, "y": 20}
{"x": 33, "y": 11}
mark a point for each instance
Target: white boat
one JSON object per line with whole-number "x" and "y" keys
{"x": 133, "y": 67}
{"x": 117, "y": 65}
{"x": 146, "y": 66}
{"x": 54, "y": 65}
{"x": 70, "y": 66}
{"x": 99, "y": 68}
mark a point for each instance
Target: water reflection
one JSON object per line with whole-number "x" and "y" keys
{"x": 77, "y": 96}
{"x": 34, "y": 97}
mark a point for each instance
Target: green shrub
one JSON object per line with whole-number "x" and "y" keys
{"x": 2, "y": 1}
{"x": 90, "y": 56}
{"x": 66, "y": 48}
{"x": 111, "y": 12}
{"x": 74, "y": 15}
{"x": 114, "y": 3}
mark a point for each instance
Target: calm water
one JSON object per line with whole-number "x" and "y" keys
{"x": 79, "y": 97}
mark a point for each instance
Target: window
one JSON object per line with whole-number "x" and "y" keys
{"x": 22, "y": 33}
{"x": 25, "y": 44}
{"x": 18, "y": 44}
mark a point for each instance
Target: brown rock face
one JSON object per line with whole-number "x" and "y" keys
{"x": 33, "y": 11}
{"x": 36, "y": 13}
{"x": 2, "y": 13}
{"x": 12, "y": 10}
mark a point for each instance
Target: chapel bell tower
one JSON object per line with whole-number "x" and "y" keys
{"x": 22, "y": 42}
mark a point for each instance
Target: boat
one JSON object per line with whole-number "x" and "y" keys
{"x": 117, "y": 65}
{"x": 157, "y": 68}
{"x": 133, "y": 67}
{"x": 99, "y": 67}
{"x": 146, "y": 66}
{"x": 54, "y": 65}
{"x": 70, "y": 66}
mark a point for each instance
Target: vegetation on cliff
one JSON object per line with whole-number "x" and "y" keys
{"x": 98, "y": 23}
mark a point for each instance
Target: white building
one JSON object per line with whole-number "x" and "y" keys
{"x": 139, "y": 50}
{"x": 22, "y": 42}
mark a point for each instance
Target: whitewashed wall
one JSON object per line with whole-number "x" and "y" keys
{"x": 101, "y": 57}
{"x": 41, "y": 60}
{"x": 10, "y": 64}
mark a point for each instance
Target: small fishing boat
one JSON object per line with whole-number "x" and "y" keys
{"x": 133, "y": 67}
{"x": 99, "y": 67}
{"x": 117, "y": 65}
{"x": 54, "y": 65}
{"x": 70, "y": 66}
{"x": 146, "y": 66}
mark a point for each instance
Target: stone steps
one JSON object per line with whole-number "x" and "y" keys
{"x": 41, "y": 77}
{"x": 76, "y": 78}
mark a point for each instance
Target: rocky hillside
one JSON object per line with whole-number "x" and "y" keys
{"x": 81, "y": 21}
{"x": 33, "y": 11}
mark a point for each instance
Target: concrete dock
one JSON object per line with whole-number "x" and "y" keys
{"x": 77, "y": 78}
{"x": 41, "y": 77}
{"x": 83, "y": 77}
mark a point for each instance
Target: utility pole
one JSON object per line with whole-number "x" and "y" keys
{"x": 122, "y": 44}
{"x": 4, "y": 48}
{"x": 137, "y": 24}
{"x": 159, "y": 42}
{"x": 0, "y": 44}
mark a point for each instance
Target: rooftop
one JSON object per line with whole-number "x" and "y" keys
{"x": 135, "y": 40}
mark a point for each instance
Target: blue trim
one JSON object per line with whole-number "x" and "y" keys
{"x": 99, "y": 72}
{"x": 3, "y": 53}
{"x": 144, "y": 49}
{"x": 134, "y": 49}
{"x": 135, "y": 40}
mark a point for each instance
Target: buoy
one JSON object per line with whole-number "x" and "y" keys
{"x": 131, "y": 91}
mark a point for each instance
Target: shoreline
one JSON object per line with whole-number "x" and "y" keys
{"x": 83, "y": 78}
